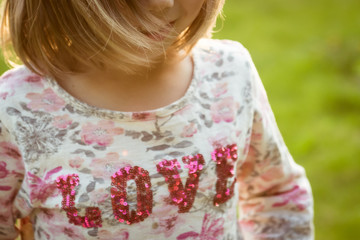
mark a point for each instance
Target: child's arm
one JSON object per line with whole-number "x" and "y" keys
{"x": 11, "y": 176}
{"x": 275, "y": 195}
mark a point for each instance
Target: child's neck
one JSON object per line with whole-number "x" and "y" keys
{"x": 115, "y": 90}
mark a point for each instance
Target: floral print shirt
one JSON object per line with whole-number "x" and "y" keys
{"x": 211, "y": 165}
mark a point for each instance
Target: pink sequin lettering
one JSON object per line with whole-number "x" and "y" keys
{"x": 225, "y": 158}
{"x": 144, "y": 194}
{"x": 67, "y": 185}
{"x": 182, "y": 197}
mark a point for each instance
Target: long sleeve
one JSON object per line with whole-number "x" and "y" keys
{"x": 275, "y": 198}
{"x": 11, "y": 176}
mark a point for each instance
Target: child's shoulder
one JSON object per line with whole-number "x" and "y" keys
{"x": 222, "y": 45}
{"x": 17, "y": 72}
{"x": 224, "y": 53}
{"x": 18, "y": 79}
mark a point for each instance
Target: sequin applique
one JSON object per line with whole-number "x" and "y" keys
{"x": 144, "y": 194}
{"x": 67, "y": 186}
{"x": 182, "y": 197}
{"x": 225, "y": 158}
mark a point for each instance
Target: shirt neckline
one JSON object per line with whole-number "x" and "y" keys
{"x": 90, "y": 110}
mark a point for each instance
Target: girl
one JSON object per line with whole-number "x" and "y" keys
{"x": 127, "y": 122}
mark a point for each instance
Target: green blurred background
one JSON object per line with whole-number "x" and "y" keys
{"x": 308, "y": 55}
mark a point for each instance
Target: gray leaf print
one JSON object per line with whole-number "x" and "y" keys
{"x": 247, "y": 92}
{"x": 160, "y": 135}
{"x": 93, "y": 232}
{"x": 240, "y": 110}
{"x": 146, "y": 136}
{"x": 158, "y": 148}
{"x": 99, "y": 180}
{"x": 183, "y": 144}
{"x": 132, "y": 134}
{"x": 85, "y": 170}
{"x": 215, "y": 76}
{"x": 61, "y": 133}
{"x": 204, "y": 96}
{"x": 230, "y": 58}
{"x": 208, "y": 123}
{"x": 73, "y": 138}
{"x": 88, "y": 153}
{"x": 227, "y": 74}
{"x": 74, "y": 125}
{"x": 176, "y": 154}
{"x": 219, "y": 63}
{"x": 206, "y": 106}
{"x": 91, "y": 187}
{"x": 13, "y": 112}
{"x": 24, "y": 106}
{"x": 84, "y": 198}
{"x": 156, "y": 175}
{"x": 69, "y": 108}
{"x": 98, "y": 147}
{"x": 169, "y": 139}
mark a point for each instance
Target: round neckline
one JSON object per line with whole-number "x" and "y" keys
{"x": 90, "y": 110}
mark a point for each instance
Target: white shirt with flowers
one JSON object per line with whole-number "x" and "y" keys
{"x": 211, "y": 165}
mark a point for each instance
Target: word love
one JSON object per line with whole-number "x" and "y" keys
{"x": 181, "y": 196}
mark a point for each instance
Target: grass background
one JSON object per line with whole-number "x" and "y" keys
{"x": 308, "y": 55}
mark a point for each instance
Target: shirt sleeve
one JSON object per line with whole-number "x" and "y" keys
{"x": 275, "y": 197}
{"x": 11, "y": 177}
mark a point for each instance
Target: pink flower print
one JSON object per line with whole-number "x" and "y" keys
{"x": 166, "y": 218}
{"x": 76, "y": 162}
{"x": 143, "y": 116}
{"x": 9, "y": 150}
{"x": 219, "y": 140}
{"x": 247, "y": 225}
{"x": 59, "y": 227}
{"x": 189, "y": 130}
{"x": 33, "y": 79}
{"x": 3, "y": 171}
{"x": 252, "y": 208}
{"x": 5, "y": 188}
{"x": 99, "y": 195}
{"x": 62, "y": 122}
{"x": 272, "y": 174}
{"x": 16, "y": 80}
{"x": 212, "y": 229}
{"x": 47, "y": 101}
{"x": 121, "y": 234}
{"x": 223, "y": 110}
{"x": 220, "y": 89}
{"x": 3, "y": 95}
{"x": 101, "y": 133}
{"x": 106, "y": 167}
{"x": 42, "y": 189}
{"x": 295, "y": 195}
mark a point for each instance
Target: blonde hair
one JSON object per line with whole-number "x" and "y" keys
{"x": 53, "y": 37}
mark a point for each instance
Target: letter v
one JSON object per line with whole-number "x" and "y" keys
{"x": 182, "y": 197}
